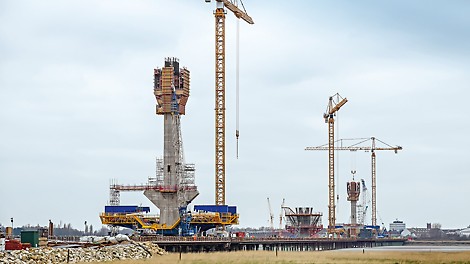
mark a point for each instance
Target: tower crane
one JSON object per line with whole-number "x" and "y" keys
{"x": 334, "y": 104}
{"x": 219, "y": 14}
{"x": 271, "y": 216}
{"x": 280, "y": 216}
{"x": 372, "y": 148}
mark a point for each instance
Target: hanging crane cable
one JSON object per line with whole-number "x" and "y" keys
{"x": 339, "y": 143}
{"x": 237, "y": 83}
{"x": 353, "y": 162}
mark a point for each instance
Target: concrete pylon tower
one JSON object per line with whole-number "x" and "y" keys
{"x": 354, "y": 189}
{"x": 174, "y": 191}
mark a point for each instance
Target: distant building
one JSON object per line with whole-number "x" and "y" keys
{"x": 464, "y": 232}
{"x": 420, "y": 232}
{"x": 397, "y": 226}
{"x": 434, "y": 232}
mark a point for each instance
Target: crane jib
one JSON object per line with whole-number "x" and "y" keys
{"x": 238, "y": 12}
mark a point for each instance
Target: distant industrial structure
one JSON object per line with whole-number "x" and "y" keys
{"x": 397, "y": 226}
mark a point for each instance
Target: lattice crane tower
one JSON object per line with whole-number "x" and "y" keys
{"x": 219, "y": 14}
{"x": 334, "y": 104}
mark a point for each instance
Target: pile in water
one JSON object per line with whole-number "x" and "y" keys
{"x": 74, "y": 255}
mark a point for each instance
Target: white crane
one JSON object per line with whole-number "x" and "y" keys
{"x": 271, "y": 216}
{"x": 280, "y": 216}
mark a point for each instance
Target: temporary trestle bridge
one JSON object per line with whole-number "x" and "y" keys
{"x": 207, "y": 244}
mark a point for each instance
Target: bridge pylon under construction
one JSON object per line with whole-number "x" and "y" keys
{"x": 173, "y": 188}
{"x": 171, "y": 89}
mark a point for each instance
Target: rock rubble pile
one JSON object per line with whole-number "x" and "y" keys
{"x": 48, "y": 255}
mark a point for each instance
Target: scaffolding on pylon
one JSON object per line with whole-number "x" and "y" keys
{"x": 114, "y": 194}
{"x": 186, "y": 180}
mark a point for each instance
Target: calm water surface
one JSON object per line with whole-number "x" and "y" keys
{"x": 414, "y": 248}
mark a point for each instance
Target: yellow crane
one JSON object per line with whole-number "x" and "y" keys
{"x": 372, "y": 148}
{"x": 219, "y": 14}
{"x": 334, "y": 104}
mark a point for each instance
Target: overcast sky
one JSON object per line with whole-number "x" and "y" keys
{"x": 77, "y": 106}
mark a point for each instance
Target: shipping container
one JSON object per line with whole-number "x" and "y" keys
{"x": 123, "y": 209}
{"x": 31, "y": 237}
{"x": 12, "y": 245}
{"x": 216, "y": 208}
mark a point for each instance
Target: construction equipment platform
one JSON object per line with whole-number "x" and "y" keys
{"x": 202, "y": 221}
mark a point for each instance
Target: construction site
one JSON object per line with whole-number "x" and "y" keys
{"x": 173, "y": 188}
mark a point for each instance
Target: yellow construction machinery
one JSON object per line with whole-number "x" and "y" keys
{"x": 199, "y": 221}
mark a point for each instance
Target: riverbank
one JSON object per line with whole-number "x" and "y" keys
{"x": 333, "y": 256}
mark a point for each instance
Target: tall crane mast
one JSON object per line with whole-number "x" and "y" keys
{"x": 219, "y": 14}
{"x": 372, "y": 149}
{"x": 271, "y": 216}
{"x": 334, "y": 104}
{"x": 280, "y": 216}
